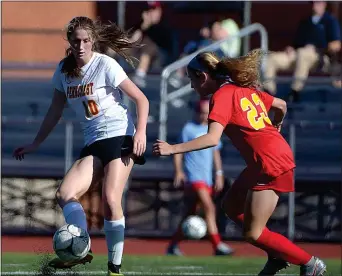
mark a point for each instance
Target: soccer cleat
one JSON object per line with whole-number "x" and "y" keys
{"x": 315, "y": 267}
{"x": 223, "y": 250}
{"x": 57, "y": 263}
{"x": 173, "y": 250}
{"x": 273, "y": 266}
{"x": 114, "y": 270}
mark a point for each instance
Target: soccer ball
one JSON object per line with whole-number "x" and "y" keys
{"x": 71, "y": 243}
{"x": 194, "y": 227}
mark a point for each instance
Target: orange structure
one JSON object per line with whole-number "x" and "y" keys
{"x": 33, "y": 31}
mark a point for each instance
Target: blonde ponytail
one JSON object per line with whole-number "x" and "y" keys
{"x": 242, "y": 71}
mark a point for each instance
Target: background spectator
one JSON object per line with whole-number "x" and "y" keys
{"x": 214, "y": 32}
{"x": 316, "y": 46}
{"x": 208, "y": 35}
{"x": 155, "y": 35}
{"x": 231, "y": 48}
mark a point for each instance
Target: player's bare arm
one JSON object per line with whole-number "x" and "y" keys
{"x": 50, "y": 121}
{"x": 279, "y": 108}
{"x": 132, "y": 91}
{"x": 52, "y": 116}
{"x": 211, "y": 139}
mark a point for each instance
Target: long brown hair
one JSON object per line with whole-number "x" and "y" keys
{"x": 105, "y": 37}
{"x": 242, "y": 71}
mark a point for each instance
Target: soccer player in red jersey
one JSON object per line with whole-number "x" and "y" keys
{"x": 239, "y": 110}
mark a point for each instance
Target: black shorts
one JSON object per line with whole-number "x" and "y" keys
{"x": 112, "y": 148}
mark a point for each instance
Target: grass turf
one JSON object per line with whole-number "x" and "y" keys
{"x": 35, "y": 264}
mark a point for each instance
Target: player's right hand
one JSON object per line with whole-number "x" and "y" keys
{"x": 179, "y": 180}
{"x": 278, "y": 126}
{"x": 20, "y": 152}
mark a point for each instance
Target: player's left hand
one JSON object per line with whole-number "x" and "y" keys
{"x": 139, "y": 143}
{"x": 162, "y": 148}
{"x": 278, "y": 127}
{"x": 219, "y": 183}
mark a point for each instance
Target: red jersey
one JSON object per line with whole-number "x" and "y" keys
{"x": 244, "y": 114}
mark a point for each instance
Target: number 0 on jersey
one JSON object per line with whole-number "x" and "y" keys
{"x": 90, "y": 108}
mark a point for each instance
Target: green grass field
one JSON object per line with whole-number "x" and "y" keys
{"x": 34, "y": 264}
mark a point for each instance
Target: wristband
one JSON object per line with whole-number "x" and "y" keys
{"x": 219, "y": 172}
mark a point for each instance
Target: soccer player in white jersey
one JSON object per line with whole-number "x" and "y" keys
{"x": 90, "y": 81}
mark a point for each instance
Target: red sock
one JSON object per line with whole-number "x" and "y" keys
{"x": 282, "y": 247}
{"x": 278, "y": 246}
{"x": 215, "y": 239}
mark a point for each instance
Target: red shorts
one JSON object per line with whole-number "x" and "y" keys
{"x": 236, "y": 195}
{"x": 248, "y": 180}
{"x": 283, "y": 183}
{"x": 198, "y": 185}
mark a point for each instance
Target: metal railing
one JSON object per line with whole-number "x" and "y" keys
{"x": 166, "y": 97}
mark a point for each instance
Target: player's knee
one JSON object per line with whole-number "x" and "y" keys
{"x": 113, "y": 201}
{"x": 252, "y": 235}
{"x": 58, "y": 195}
{"x": 62, "y": 196}
{"x": 114, "y": 204}
{"x": 112, "y": 209}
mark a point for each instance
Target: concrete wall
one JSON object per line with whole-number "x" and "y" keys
{"x": 154, "y": 209}
{"x": 32, "y": 31}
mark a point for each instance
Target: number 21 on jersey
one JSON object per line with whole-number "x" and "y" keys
{"x": 256, "y": 119}
{"x": 90, "y": 108}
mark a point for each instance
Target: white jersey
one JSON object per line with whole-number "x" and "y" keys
{"x": 96, "y": 98}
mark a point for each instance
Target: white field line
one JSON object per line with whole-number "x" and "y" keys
{"x": 103, "y": 272}
{"x": 14, "y": 264}
{"x": 180, "y": 267}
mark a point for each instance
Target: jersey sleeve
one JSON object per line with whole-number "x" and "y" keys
{"x": 57, "y": 80}
{"x": 115, "y": 75}
{"x": 221, "y": 108}
{"x": 267, "y": 99}
{"x": 219, "y": 146}
{"x": 184, "y": 136}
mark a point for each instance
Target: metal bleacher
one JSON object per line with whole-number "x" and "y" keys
{"x": 25, "y": 102}
{"x": 315, "y": 124}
